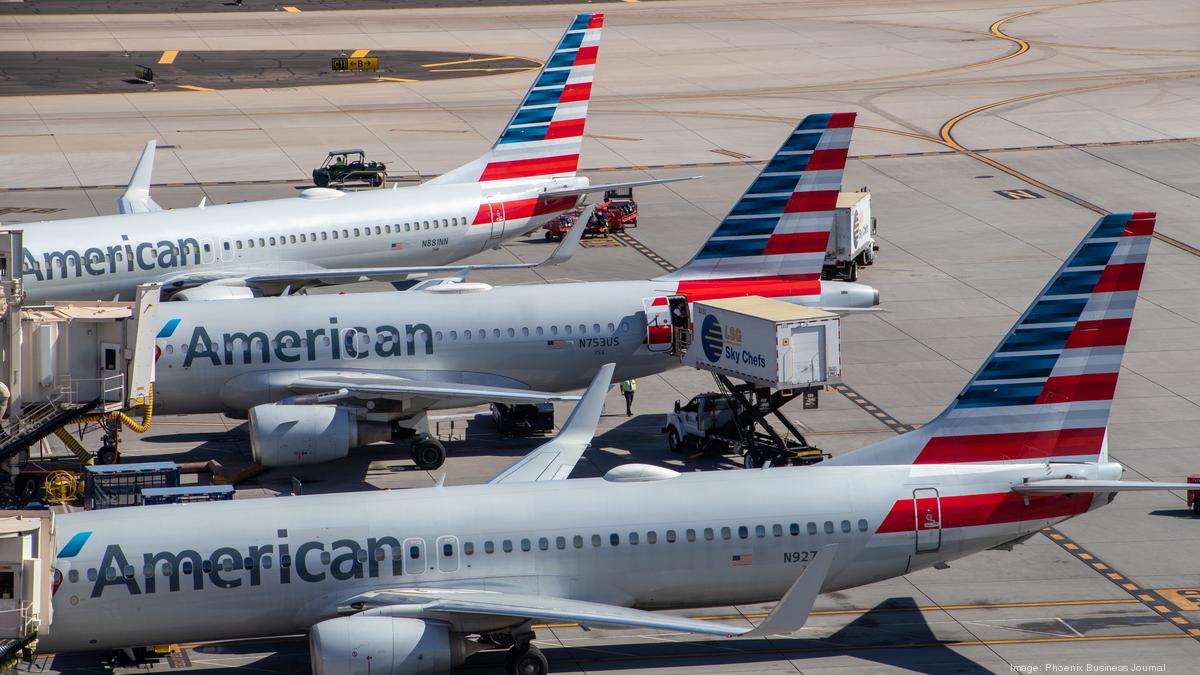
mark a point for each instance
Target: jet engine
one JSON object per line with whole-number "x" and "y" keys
{"x": 379, "y": 645}
{"x": 289, "y": 435}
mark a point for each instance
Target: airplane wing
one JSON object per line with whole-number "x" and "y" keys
{"x": 136, "y": 198}
{"x": 446, "y": 603}
{"x": 556, "y": 459}
{"x": 306, "y": 274}
{"x": 1071, "y": 485}
{"x": 567, "y": 192}
{"x": 333, "y": 386}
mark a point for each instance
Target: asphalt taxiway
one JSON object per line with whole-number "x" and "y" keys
{"x": 991, "y": 136}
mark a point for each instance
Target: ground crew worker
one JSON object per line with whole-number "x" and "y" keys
{"x": 628, "y": 387}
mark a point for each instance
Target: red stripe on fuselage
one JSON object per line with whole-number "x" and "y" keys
{"x": 768, "y": 287}
{"x": 1068, "y": 388}
{"x": 527, "y": 168}
{"x": 1016, "y": 445}
{"x": 813, "y": 200}
{"x": 989, "y": 509}
{"x": 1117, "y": 278}
{"x": 797, "y": 242}
{"x": 1102, "y": 333}
{"x": 525, "y": 208}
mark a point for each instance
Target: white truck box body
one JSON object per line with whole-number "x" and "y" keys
{"x": 852, "y": 233}
{"x": 768, "y": 342}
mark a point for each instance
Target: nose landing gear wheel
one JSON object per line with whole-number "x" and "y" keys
{"x": 428, "y": 453}
{"x": 526, "y": 661}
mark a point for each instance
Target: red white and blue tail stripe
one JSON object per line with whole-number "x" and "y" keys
{"x": 780, "y": 227}
{"x": 543, "y": 138}
{"x": 1044, "y": 394}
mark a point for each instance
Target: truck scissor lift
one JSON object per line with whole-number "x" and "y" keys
{"x": 778, "y": 350}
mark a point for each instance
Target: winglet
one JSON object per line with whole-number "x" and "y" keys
{"x": 556, "y": 459}
{"x": 792, "y": 612}
{"x": 136, "y": 198}
{"x": 570, "y": 242}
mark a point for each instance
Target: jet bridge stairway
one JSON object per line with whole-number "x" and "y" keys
{"x": 42, "y": 420}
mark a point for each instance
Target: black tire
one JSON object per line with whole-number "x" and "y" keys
{"x": 377, "y": 180}
{"x": 674, "y": 443}
{"x": 527, "y": 661}
{"x": 106, "y": 455}
{"x": 549, "y": 235}
{"x": 26, "y": 489}
{"x": 321, "y": 180}
{"x": 852, "y": 271}
{"x": 1196, "y": 507}
{"x": 429, "y": 454}
{"x": 749, "y": 461}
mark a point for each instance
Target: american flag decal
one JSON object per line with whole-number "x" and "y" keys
{"x": 556, "y": 344}
{"x": 398, "y": 246}
{"x": 743, "y": 559}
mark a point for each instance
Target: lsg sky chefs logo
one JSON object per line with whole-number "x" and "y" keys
{"x": 715, "y": 339}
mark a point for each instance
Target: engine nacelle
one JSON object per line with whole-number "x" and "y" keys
{"x": 380, "y": 645}
{"x": 290, "y": 435}
{"x": 214, "y": 292}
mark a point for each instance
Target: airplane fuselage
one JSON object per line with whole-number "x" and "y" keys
{"x": 108, "y": 256}
{"x": 233, "y": 355}
{"x": 278, "y": 566}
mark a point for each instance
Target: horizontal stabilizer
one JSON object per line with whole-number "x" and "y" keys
{"x": 556, "y": 459}
{"x": 1070, "y": 485}
{"x": 136, "y": 198}
{"x": 591, "y": 189}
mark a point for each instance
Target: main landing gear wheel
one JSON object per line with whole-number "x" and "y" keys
{"x": 429, "y": 453}
{"x": 526, "y": 661}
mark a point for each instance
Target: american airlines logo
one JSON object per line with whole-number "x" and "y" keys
{"x": 310, "y": 344}
{"x": 127, "y": 255}
{"x": 229, "y": 567}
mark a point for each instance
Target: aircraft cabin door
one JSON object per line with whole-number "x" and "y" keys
{"x": 658, "y": 324}
{"x": 447, "y": 554}
{"x": 414, "y": 556}
{"x": 496, "y": 206}
{"x": 928, "y": 509}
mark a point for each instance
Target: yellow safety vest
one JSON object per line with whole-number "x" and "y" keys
{"x": 629, "y": 385}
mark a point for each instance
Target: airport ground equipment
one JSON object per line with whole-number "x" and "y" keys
{"x": 523, "y": 419}
{"x": 64, "y": 364}
{"x": 779, "y": 351}
{"x": 1193, "y": 496}
{"x": 349, "y": 166}
{"x": 115, "y": 485}
{"x": 852, "y": 243}
{"x": 186, "y": 494}
{"x": 614, "y": 214}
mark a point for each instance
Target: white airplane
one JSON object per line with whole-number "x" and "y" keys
{"x": 403, "y": 581}
{"x": 326, "y": 236}
{"x": 318, "y": 375}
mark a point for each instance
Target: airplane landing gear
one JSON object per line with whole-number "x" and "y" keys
{"x": 427, "y": 452}
{"x": 525, "y": 659}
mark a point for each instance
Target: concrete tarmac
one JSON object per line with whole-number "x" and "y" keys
{"x": 992, "y": 135}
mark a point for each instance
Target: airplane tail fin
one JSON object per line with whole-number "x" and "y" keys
{"x": 544, "y": 136}
{"x": 136, "y": 198}
{"x": 1044, "y": 394}
{"x": 778, "y": 232}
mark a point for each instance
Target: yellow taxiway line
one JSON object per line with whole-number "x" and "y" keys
{"x": 168, "y": 56}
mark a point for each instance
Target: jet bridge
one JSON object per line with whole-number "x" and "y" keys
{"x": 27, "y": 580}
{"x": 64, "y": 360}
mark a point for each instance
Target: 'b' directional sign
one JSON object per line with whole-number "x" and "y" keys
{"x": 344, "y": 64}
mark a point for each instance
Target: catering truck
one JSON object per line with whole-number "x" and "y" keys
{"x": 852, "y": 242}
{"x": 779, "y": 351}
